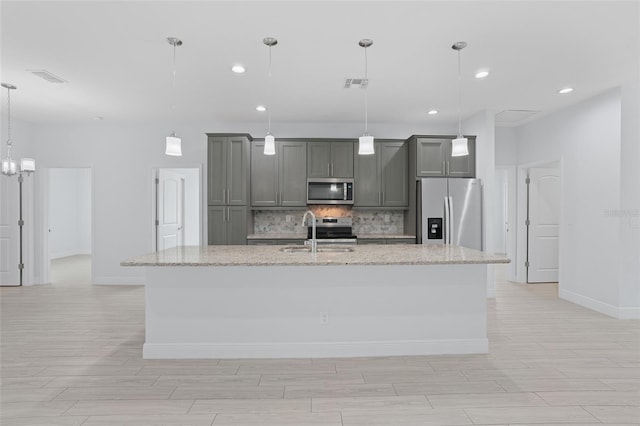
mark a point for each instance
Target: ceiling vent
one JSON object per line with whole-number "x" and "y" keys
{"x": 356, "y": 83}
{"x": 51, "y": 78}
{"x": 513, "y": 117}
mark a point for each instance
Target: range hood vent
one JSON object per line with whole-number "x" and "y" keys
{"x": 356, "y": 83}
{"x": 51, "y": 78}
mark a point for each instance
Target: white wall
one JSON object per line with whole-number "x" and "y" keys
{"x": 506, "y": 146}
{"x": 629, "y": 214}
{"x": 483, "y": 126}
{"x": 69, "y": 212}
{"x": 586, "y": 139}
{"x": 122, "y": 157}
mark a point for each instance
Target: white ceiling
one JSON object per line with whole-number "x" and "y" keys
{"x": 118, "y": 64}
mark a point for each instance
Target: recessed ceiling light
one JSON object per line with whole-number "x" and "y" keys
{"x": 261, "y": 108}
{"x": 565, "y": 90}
{"x": 238, "y": 69}
{"x": 482, "y": 74}
{"x": 432, "y": 112}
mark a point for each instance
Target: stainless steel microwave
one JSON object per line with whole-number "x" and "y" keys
{"x": 329, "y": 191}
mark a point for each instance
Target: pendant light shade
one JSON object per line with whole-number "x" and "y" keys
{"x": 365, "y": 145}
{"x": 269, "y": 145}
{"x": 365, "y": 142}
{"x": 269, "y": 139}
{"x": 459, "y": 145}
{"x": 27, "y": 165}
{"x": 9, "y": 167}
{"x": 174, "y": 145}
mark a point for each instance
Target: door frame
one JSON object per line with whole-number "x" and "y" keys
{"x": 201, "y": 197}
{"x": 45, "y": 184}
{"x": 521, "y": 238}
{"x": 512, "y": 209}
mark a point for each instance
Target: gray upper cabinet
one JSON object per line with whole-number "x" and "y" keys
{"x": 228, "y": 170}
{"x": 279, "y": 180}
{"x": 330, "y": 159}
{"x": 433, "y": 158}
{"x": 381, "y": 180}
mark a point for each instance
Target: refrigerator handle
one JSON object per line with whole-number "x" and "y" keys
{"x": 447, "y": 215}
{"x": 450, "y": 221}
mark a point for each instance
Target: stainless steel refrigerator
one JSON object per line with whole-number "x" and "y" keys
{"x": 450, "y": 212}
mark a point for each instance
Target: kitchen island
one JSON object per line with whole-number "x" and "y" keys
{"x": 274, "y": 301}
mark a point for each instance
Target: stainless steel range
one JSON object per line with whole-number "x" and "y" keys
{"x": 334, "y": 230}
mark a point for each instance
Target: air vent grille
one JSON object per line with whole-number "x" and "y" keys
{"x": 356, "y": 83}
{"x": 514, "y": 116}
{"x": 51, "y": 78}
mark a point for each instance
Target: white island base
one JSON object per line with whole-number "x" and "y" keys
{"x": 312, "y": 311}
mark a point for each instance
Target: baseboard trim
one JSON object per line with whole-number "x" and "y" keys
{"x": 312, "y": 349}
{"x": 598, "y": 306}
{"x": 118, "y": 280}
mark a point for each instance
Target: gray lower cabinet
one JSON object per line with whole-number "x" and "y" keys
{"x": 433, "y": 158}
{"x": 279, "y": 180}
{"x": 227, "y": 225}
{"x": 381, "y": 179}
{"x": 330, "y": 159}
{"x": 407, "y": 240}
{"x": 227, "y": 169}
{"x": 275, "y": 242}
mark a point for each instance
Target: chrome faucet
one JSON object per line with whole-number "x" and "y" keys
{"x": 314, "y": 242}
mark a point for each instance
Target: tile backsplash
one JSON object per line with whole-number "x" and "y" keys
{"x": 364, "y": 221}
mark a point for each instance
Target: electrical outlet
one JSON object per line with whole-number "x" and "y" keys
{"x": 288, "y": 218}
{"x": 324, "y": 318}
{"x": 387, "y": 218}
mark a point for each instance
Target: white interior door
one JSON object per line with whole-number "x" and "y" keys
{"x": 9, "y": 244}
{"x": 170, "y": 209}
{"x": 544, "y": 225}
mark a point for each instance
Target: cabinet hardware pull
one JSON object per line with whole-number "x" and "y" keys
{"x": 328, "y": 169}
{"x": 444, "y": 168}
{"x": 224, "y": 196}
{"x": 448, "y": 168}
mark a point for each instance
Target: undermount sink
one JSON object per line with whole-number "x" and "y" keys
{"x": 321, "y": 249}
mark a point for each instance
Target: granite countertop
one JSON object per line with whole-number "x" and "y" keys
{"x": 273, "y": 256}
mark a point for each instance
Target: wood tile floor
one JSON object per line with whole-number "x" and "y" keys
{"x": 72, "y": 356}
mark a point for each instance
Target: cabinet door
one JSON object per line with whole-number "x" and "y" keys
{"x": 216, "y": 225}
{"x": 292, "y": 157}
{"x": 367, "y": 180}
{"x": 341, "y": 159}
{"x": 318, "y": 159}
{"x": 236, "y": 225}
{"x": 216, "y": 170}
{"x": 264, "y": 177}
{"x": 394, "y": 182}
{"x": 237, "y": 170}
{"x": 431, "y": 157}
{"x": 464, "y": 166}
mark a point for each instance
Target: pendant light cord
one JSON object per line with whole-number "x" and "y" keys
{"x": 9, "y": 143}
{"x": 366, "y": 90}
{"x": 269, "y": 93}
{"x": 459, "y": 97}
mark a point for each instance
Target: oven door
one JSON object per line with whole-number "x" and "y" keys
{"x": 330, "y": 191}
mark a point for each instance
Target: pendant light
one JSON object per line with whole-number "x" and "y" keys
{"x": 10, "y": 168}
{"x": 459, "y": 145}
{"x": 269, "y": 139}
{"x": 9, "y": 165}
{"x": 365, "y": 143}
{"x": 174, "y": 143}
